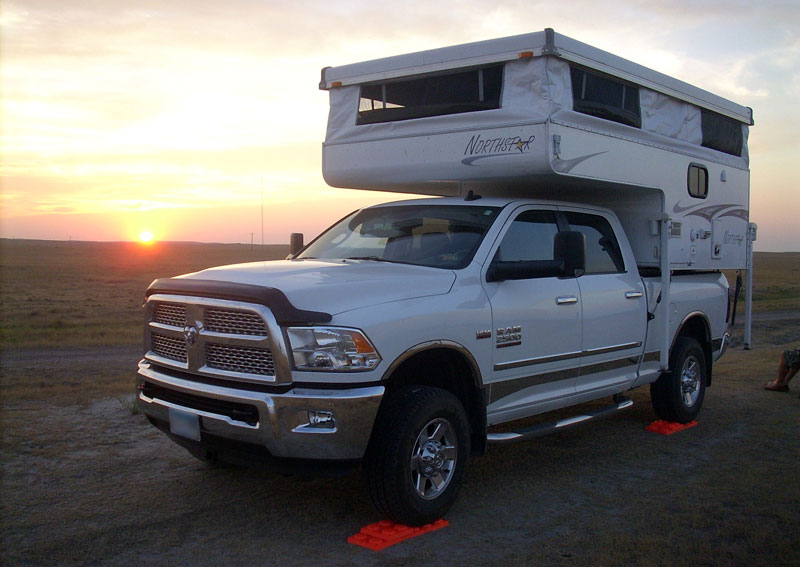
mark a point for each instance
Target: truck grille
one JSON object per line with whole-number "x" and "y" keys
{"x": 170, "y": 314}
{"x": 211, "y": 339}
{"x": 234, "y": 322}
{"x": 169, "y": 347}
{"x": 240, "y": 359}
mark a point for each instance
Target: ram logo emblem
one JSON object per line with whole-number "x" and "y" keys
{"x": 190, "y": 334}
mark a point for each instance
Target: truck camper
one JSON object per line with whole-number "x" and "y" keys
{"x": 585, "y": 207}
{"x": 544, "y": 116}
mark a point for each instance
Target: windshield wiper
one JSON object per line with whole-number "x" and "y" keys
{"x": 370, "y": 258}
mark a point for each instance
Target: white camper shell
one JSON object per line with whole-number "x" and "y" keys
{"x": 542, "y": 115}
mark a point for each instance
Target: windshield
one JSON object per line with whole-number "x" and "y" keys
{"x": 439, "y": 236}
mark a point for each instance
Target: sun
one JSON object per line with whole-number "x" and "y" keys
{"x": 146, "y": 237}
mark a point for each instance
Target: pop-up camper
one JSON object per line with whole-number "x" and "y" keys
{"x": 545, "y": 116}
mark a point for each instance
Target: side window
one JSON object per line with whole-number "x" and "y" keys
{"x": 721, "y": 133}
{"x": 605, "y": 97}
{"x": 603, "y": 254}
{"x": 530, "y": 237}
{"x": 697, "y": 181}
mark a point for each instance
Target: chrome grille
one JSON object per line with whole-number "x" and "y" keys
{"x": 169, "y": 347}
{"x": 233, "y": 322}
{"x": 233, "y": 358}
{"x": 170, "y": 314}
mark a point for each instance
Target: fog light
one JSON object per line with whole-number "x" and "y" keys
{"x": 321, "y": 419}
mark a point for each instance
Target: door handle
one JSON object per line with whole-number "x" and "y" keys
{"x": 566, "y": 300}
{"x": 633, "y": 294}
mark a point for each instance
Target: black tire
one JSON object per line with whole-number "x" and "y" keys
{"x": 417, "y": 456}
{"x": 678, "y": 394}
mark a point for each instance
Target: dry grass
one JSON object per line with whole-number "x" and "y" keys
{"x": 776, "y": 281}
{"x": 71, "y": 294}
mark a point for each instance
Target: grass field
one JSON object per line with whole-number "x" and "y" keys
{"x": 70, "y": 294}
{"x": 73, "y": 294}
{"x": 776, "y": 281}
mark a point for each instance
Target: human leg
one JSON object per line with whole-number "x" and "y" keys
{"x": 787, "y": 368}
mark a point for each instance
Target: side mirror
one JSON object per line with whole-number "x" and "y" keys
{"x": 295, "y": 243}
{"x": 569, "y": 246}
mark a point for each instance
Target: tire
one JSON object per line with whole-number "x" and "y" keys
{"x": 678, "y": 394}
{"x": 417, "y": 456}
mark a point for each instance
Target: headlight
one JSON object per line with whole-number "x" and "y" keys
{"x": 331, "y": 349}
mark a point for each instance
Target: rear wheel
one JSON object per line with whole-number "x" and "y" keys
{"x": 678, "y": 394}
{"x": 416, "y": 460}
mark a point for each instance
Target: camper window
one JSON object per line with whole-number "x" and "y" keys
{"x": 721, "y": 133}
{"x": 452, "y": 93}
{"x": 697, "y": 181}
{"x": 605, "y": 97}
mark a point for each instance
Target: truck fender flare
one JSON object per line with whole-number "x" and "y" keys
{"x": 686, "y": 319}
{"x": 429, "y": 345}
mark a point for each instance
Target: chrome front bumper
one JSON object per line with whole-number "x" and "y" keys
{"x": 285, "y": 426}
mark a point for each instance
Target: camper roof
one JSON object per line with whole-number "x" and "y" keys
{"x": 543, "y": 43}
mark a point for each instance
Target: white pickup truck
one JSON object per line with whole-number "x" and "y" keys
{"x": 404, "y": 331}
{"x": 399, "y": 337}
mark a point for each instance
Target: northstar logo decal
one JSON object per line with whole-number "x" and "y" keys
{"x": 479, "y": 147}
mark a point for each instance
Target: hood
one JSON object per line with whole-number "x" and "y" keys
{"x": 335, "y": 286}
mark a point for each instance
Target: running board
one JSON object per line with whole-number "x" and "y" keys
{"x": 543, "y": 429}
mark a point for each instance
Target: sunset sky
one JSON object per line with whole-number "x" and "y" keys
{"x": 178, "y": 117}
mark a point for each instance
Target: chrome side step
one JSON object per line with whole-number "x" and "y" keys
{"x": 542, "y": 429}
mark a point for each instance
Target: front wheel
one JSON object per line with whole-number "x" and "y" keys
{"x": 678, "y": 394}
{"x": 416, "y": 460}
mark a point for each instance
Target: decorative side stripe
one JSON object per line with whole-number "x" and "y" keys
{"x": 564, "y": 356}
{"x": 615, "y": 348}
{"x": 609, "y": 365}
{"x": 652, "y": 356}
{"x": 507, "y": 387}
{"x": 534, "y": 361}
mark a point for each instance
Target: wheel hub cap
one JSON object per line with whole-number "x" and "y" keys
{"x": 433, "y": 459}
{"x": 690, "y": 381}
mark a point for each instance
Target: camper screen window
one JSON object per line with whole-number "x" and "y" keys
{"x": 453, "y": 93}
{"x": 605, "y": 97}
{"x": 721, "y": 133}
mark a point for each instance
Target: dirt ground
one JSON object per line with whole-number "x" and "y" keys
{"x": 87, "y": 481}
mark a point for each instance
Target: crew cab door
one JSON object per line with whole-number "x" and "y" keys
{"x": 613, "y": 304}
{"x": 536, "y": 332}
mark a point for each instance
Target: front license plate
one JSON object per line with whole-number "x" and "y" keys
{"x": 184, "y": 424}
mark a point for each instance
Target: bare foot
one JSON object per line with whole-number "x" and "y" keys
{"x": 775, "y": 387}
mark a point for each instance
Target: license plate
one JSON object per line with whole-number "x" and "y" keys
{"x": 184, "y": 424}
